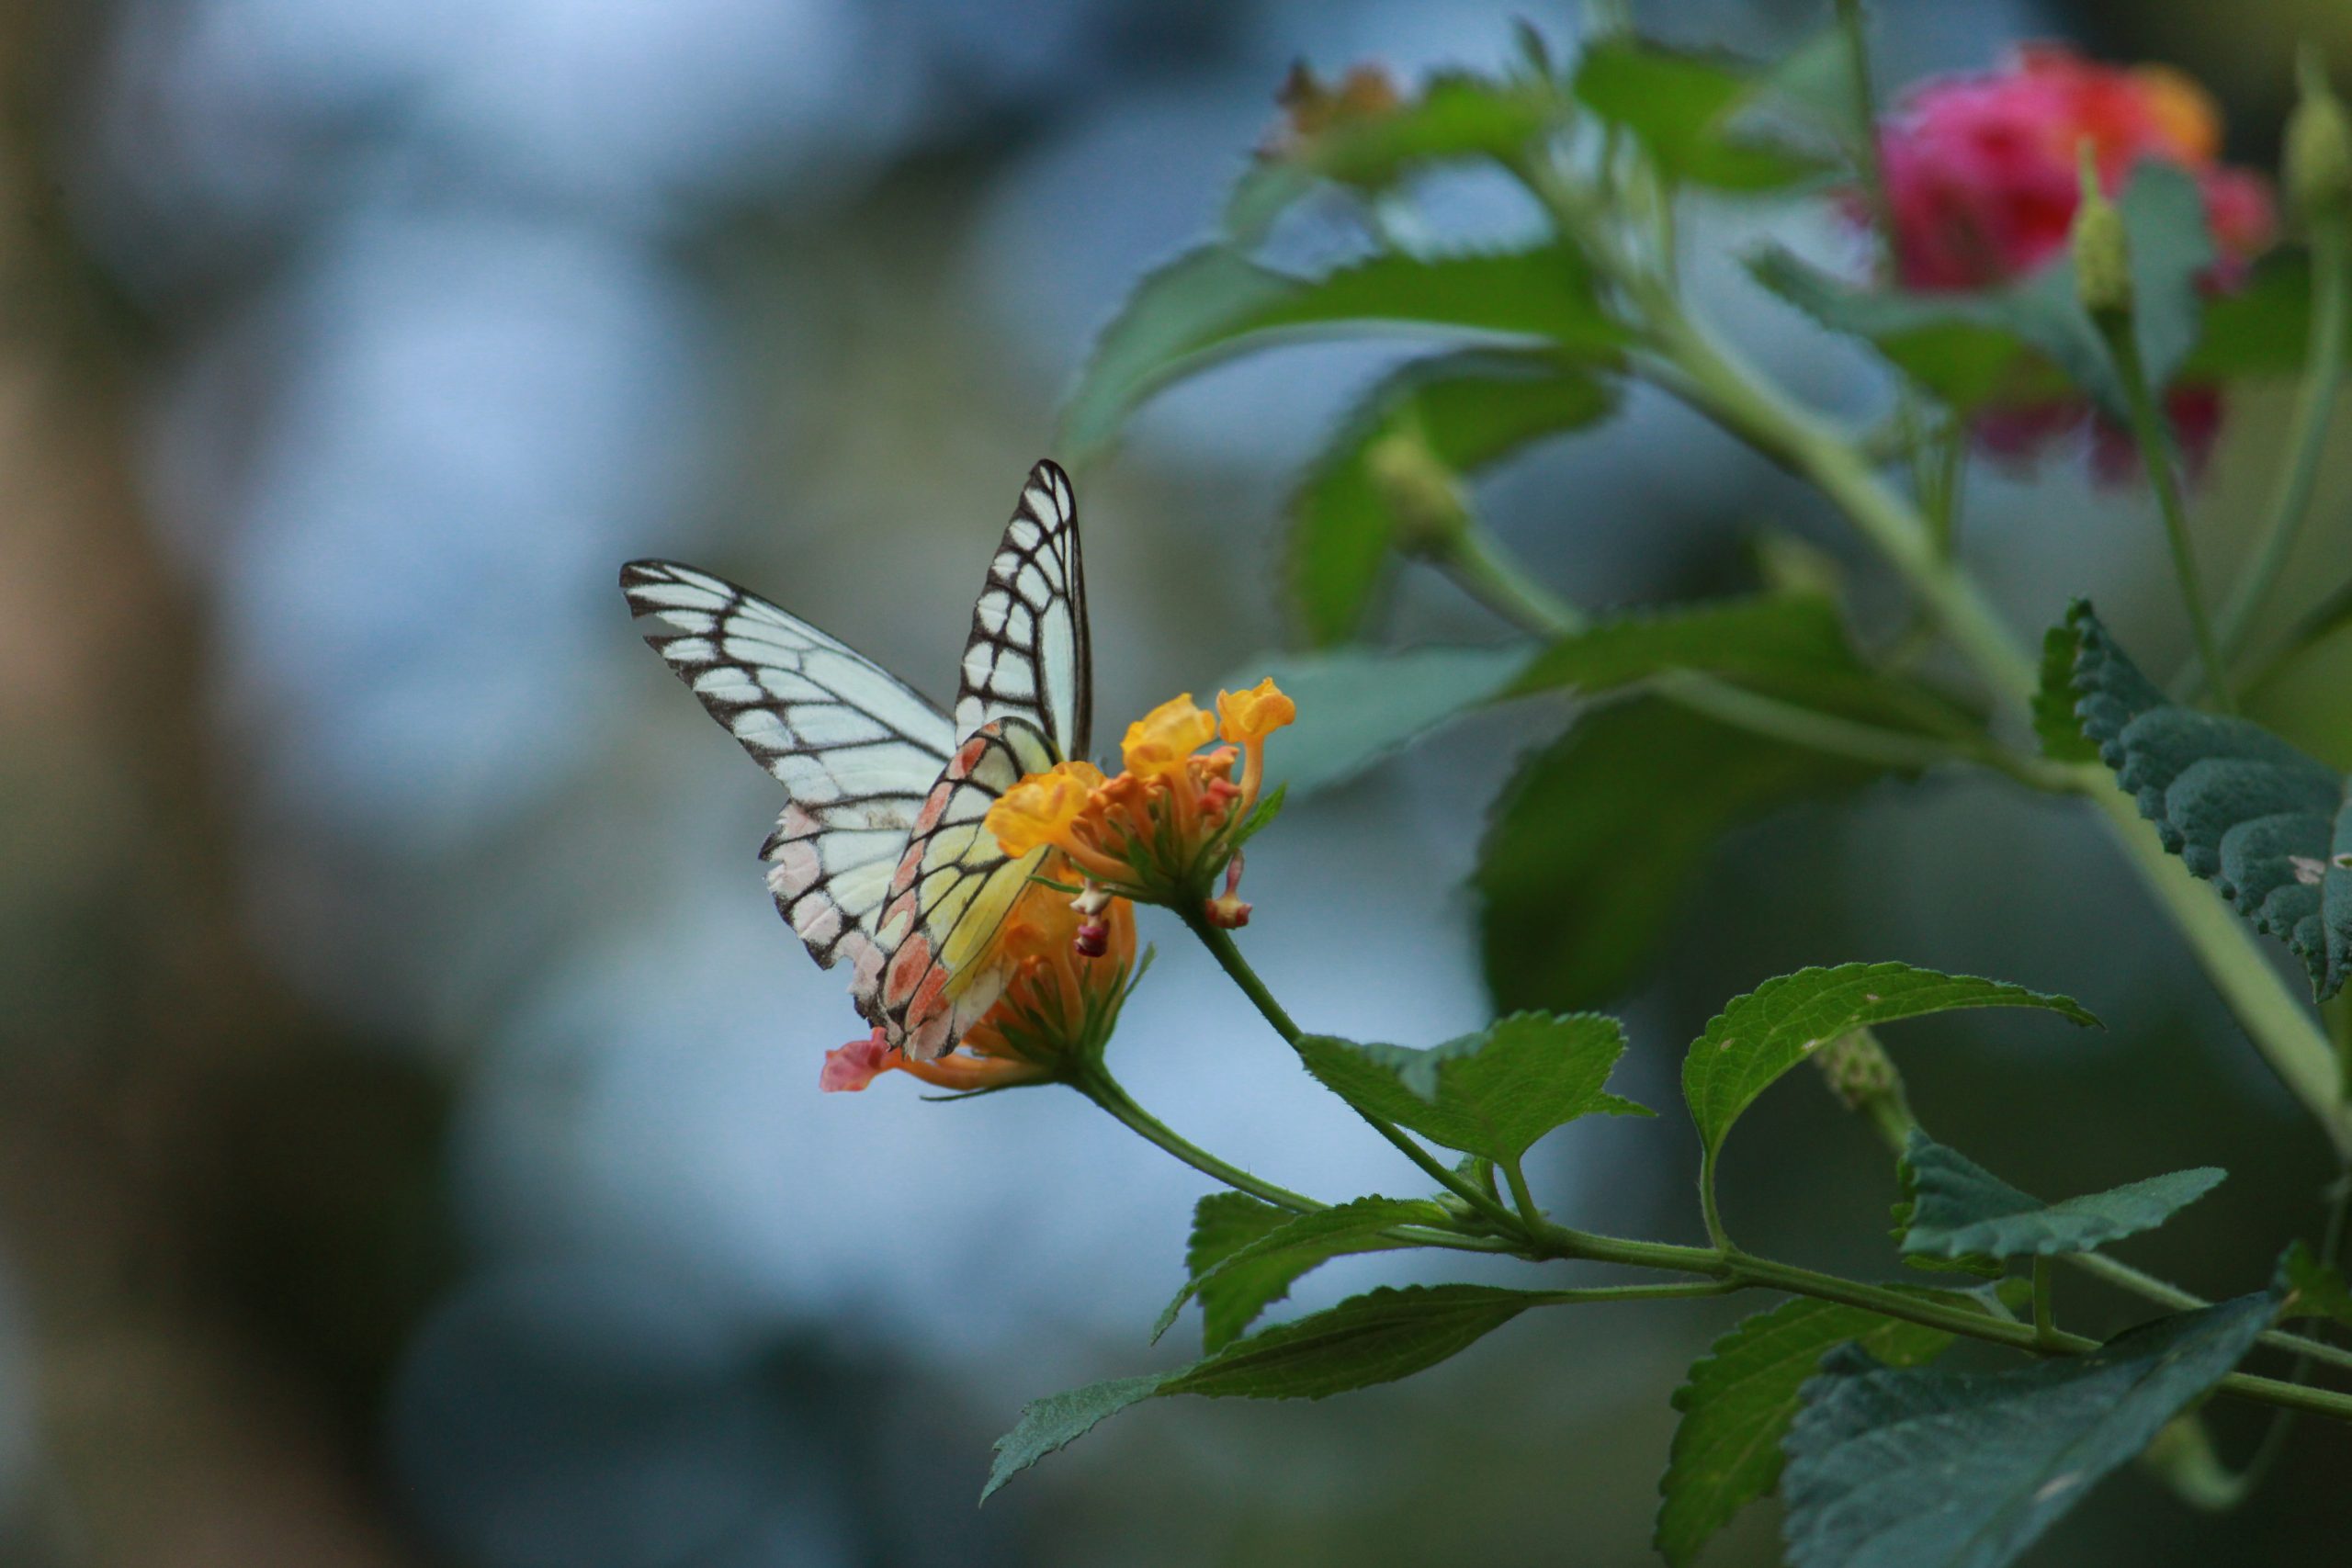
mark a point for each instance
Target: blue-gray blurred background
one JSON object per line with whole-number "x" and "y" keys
{"x": 409, "y": 1148}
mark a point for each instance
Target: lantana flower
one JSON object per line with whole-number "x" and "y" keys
{"x": 1162, "y": 831}
{"x": 1982, "y": 180}
{"x": 1312, "y": 109}
{"x": 1065, "y": 974}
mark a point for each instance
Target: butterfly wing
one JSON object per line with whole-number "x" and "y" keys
{"x": 857, "y": 748}
{"x": 1029, "y": 656}
{"x": 952, "y": 890}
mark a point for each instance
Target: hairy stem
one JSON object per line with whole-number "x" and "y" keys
{"x": 2307, "y": 434}
{"x": 1475, "y": 561}
{"x": 1109, "y": 1094}
{"x": 2045, "y": 1308}
{"x": 1228, "y": 953}
{"x": 2153, "y": 437}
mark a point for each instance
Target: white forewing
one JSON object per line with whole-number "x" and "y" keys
{"x": 1028, "y": 656}
{"x": 857, "y": 748}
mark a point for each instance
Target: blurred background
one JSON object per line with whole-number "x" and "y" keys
{"x": 410, "y": 1149}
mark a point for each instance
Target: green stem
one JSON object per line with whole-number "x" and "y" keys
{"x": 1709, "y": 1209}
{"x": 1892, "y": 1117}
{"x": 1716, "y": 381}
{"x": 2154, "y": 439}
{"x": 2147, "y": 1287}
{"x": 2307, "y": 434}
{"x": 2045, "y": 1309}
{"x": 1744, "y": 1269}
{"x": 1107, "y": 1093}
{"x": 2282, "y": 1425}
{"x": 1808, "y": 727}
{"x": 1228, "y": 953}
{"x": 1864, "y": 104}
{"x": 1520, "y": 1195}
{"x": 1487, "y": 569}
{"x": 1951, "y": 474}
{"x": 2282, "y": 1026}
{"x": 1678, "y": 1288}
{"x": 1475, "y": 561}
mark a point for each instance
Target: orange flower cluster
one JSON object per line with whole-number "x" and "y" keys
{"x": 1312, "y": 109}
{"x": 1061, "y": 997}
{"x": 1172, "y": 819}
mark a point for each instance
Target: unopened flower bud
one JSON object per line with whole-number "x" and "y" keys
{"x": 2102, "y": 249}
{"x": 1421, "y": 493}
{"x": 1228, "y": 912}
{"x": 1861, "y": 1073}
{"x": 2319, "y": 144}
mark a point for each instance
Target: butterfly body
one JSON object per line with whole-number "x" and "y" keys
{"x": 881, "y": 855}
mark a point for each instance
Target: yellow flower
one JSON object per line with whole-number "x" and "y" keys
{"x": 1041, "y": 807}
{"x": 1064, "y": 973}
{"x": 1158, "y": 743}
{"x": 1252, "y": 715}
{"x": 1161, "y": 831}
{"x": 1249, "y": 716}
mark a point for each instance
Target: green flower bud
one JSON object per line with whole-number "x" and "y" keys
{"x": 1421, "y": 492}
{"x": 2101, "y": 248}
{"x": 2319, "y": 144}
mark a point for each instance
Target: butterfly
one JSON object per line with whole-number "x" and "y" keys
{"x": 880, "y": 856}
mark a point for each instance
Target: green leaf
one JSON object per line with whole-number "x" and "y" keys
{"x": 1815, "y": 82}
{"x": 1922, "y": 1467}
{"x": 1236, "y": 1284}
{"x": 1373, "y": 1338}
{"x": 1262, "y": 816}
{"x": 1599, "y": 835}
{"x": 2313, "y": 1289}
{"x": 1060, "y": 1419}
{"x": 1789, "y": 646}
{"x": 2055, "y": 723}
{"x": 1907, "y": 1207}
{"x": 1491, "y": 1093}
{"x": 1357, "y": 705}
{"x": 1738, "y": 1402}
{"x": 1761, "y": 1036}
{"x": 2268, "y": 826}
{"x": 1682, "y": 109}
{"x": 1464, "y": 411}
{"x": 2262, "y": 329}
{"x": 1788, "y": 635}
{"x": 1225, "y": 1223}
{"x": 2172, "y": 249}
{"x": 1967, "y": 346}
{"x": 1962, "y": 1209}
{"x": 1376, "y": 1337}
{"x": 1456, "y": 117}
{"x": 1214, "y": 303}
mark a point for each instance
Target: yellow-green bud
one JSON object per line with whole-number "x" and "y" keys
{"x": 2319, "y": 144}
{"x": 2102, "y": 249}
{"x": 1420, "y": 491}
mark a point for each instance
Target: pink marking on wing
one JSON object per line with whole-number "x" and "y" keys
{"x": 935, "y": 807}
{"x": 796, "y": 823}
{"x": 908, "y": 967}
{"x": 929, "y": 1027}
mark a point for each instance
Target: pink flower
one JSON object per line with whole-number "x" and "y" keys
{"x": 1982, "y": 172}
{"x": 1983, "y": 179}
